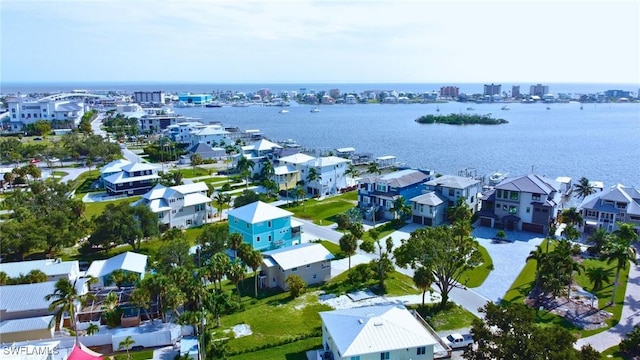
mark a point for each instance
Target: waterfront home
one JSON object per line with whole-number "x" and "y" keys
{"x": 264, "y": 226}
{"x": 212, "y": 135}
{"x": 429, "y": 209}
{"x": 526, "y": 203}
{"x": 331, "y": 177}
{"x": 132, "y": 179}
{"x": 111, "y": 168}
{"x": 62, "y": 108}
{"x": 259, "y": 152}
{"x": 55, "y": 269}
{"x": 156, "y": 122}
{"x": 207, "y": 152}
{"x": 181, "y": 133}
{"x": 452, "y": 187}
{"x": 376, "y": 332}
{"x": 286, "y": 177}
{"x": 128, "y": 261}
{"x": 376, "y": 194}
{"x": 194, "y": 99}
{"x": 181, "y": 206}
{"x": 606, "y": 208}
{"x": 310, "y": 261}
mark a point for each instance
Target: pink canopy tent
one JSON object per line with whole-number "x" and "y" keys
{"x": 81, "y": 352}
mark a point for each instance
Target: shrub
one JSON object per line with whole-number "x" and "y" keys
{"x": 631, "y": 345}
{"x": 296, "y": 285}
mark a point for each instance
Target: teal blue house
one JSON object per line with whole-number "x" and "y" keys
{"x": 264, "y": 226}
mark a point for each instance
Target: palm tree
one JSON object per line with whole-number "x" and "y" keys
{"x": 352, "y": 171}
{"x": 177, "y": 178}
{"x": 626, "y": 232}
{"x": 312, "y": 176}
{"x": 598, "y": 276}
{"x": 584, "y": 188}
{"x": 600, "y": 238}
{"x": 126, "y": 344}
{"x": 235, "y": 240}
{"x": 236, "y": 274}
{"x": 92, "y": 329}
{"x": 4, "y": 278}
{"x": 141, "y": 297}
{"x": 9, "y": 177}
{"x": 621, "y": 253}
{"x": 219, "y": 263}
{"x": 538, "y": 256}
{"x": 300, "y": 194}
{"x": 374, "y": 169}
{"x": 219, "y": 199}
{"x": 254, "y": 259}
{"x": 423, "y": 278}
{"x": 400, "y": 207}
{"x": 348, "y": 246}
{"x": 572, "y": 217}
{"x": 245, "y": 167}
{"x": 65, "y": 296}
{"x": 267, "y": 170}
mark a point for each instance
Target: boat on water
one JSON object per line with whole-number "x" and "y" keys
{"x": 182, "y": 104}
{"x": 283, "y": 111}
{"x": 470, "y": 109}
{"x": 240, "y": 104}
{"x": 505, "y": 108}
{"x": 213, "y": 105}
{"x": 496, "y": 178}
{"x": 315, "y": 110}
{"x": 548, "y": 108}
{"x": 581, "y": 108}
{"x": 437, "y": 108}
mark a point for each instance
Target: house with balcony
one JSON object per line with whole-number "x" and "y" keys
{"x": 264, "y": 226}
{"x": 331, "y": 177}
{"x": 212, "y": 135}
{"x": 132, "y": 179}
{"x": 429, "y": 209}
{"x": 376, "y": 332}
{"x": 606, "y": 208}
{"x": 259, "y": 152}
{"x": 310, "y": 261}
{"x": 181, "y": 206}
{"x": 56, "y": 108}
{"x": 526, "y": 203}
{"x": 376, "y": 194}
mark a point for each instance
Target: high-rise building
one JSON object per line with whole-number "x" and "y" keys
{"x": 449, "y": 91}
{"x": 492, "y": 89}
{"x": 149, "y": 97}
{"x": 515, "y": 91}
{"x": 538, "y": 90}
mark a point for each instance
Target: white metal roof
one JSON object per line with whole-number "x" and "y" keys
{"x": 196, "y": 198}
{"x": 191, "y": 188}
{"x": 431, "y": 198}
{"x": 129, "y": 261}
{"x": 375, "y": 329}
{"x": 453, "y": 181}
{"x": 114, "y": 166}
{"x": 284, "y": 169}
{"x": 119, "y": 178}
{"x": 330, "y": 161}
{"x": 298, "y": 158}
{"x": 298, "y": 255}
{"x": 51, "y": 267}
{"x": 346, "y": 149}
{"x": 24, "y": 297}
{"x": 138, "y": 166}
{"x": 258, "y": 212}
{"x": 28, "y": 324}
{"x": 387, "y": 157}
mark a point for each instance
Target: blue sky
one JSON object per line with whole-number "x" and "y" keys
{"x": 319, "y": 41}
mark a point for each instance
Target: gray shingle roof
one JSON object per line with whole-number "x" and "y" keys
{"x": 534, "y": 184}
{"x": 452, "y": 181}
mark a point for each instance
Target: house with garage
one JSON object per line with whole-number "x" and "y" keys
{"x": 132, "y": 179}
{"x": 376, "y": 332}
{"x": 310, "y": 261}
{"x": 264, "y": 226}
{"x": 128, "y": 261}
{"x": 181, "y": 206}
{"x": 606, "y": 208}
{"x": 377, "y": 193}
{"x": 429, "y": 209}
{"x": 526, "y": 203}
{"x": 55, "y": 269}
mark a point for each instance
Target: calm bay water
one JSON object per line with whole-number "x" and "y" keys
{"x": 601, "y": 142}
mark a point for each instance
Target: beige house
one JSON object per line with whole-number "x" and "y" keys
{"x": 310, "y": 261}
{"x": 35, "y": 328}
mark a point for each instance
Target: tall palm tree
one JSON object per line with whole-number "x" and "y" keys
{"x": 312, "y": 176}
{"x": 65, "y": 297}
{"x": 267, "y": 171}
{"x": 599, "y": 238}
{"x": 236, "y": 274}
{"x": 126, "y": 344}
{"x": 300, "y": 194}
{"x": 626, "y": 232}
{"x": 621, "y": 253}
{"x": 352, "y": 171}
{"x": 254, "y": 260}
{"x": 373, "y": 168}
{"x": 584, "y": 188}
{"x": 400, "y": 207}
{"x": 219, "y": 199}
{"x": 572, "y": 216}
{"x": 245, "y": 167}
{"x": 598, "y": 276}
{"x": 348, "y": 246}
{"x": 423, "y": 278}
{"x": 92, "y": 329}
{"x": 141, "y": 297}
{"x": 235, "y": 240}
{"x": 219, "y": 263}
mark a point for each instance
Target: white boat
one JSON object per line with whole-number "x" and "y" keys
{"x": 182, "y": 104}
{"x": 504, "y": 108}
{"x": 283, "y": 111}
{"x": 315, "y": 110}
{"x": 496, "y": 178}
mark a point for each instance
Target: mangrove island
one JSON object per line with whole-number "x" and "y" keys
{"x": 460, "y": 119}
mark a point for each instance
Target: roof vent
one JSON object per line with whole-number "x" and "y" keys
{"x": 378, "y": 323}
{"x": 361, "y": 321}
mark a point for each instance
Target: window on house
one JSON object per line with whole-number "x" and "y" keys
{"x": 513, "y": 195}
{"x": 497, "y": 206}
{"x": 505, "y": 207}
{"x": 268, "y": 223}
{"x": 247, "y": 225}
{"x": 188, "y": 221}
{"x": 384, "y": 355}
{"x": 535, "y": 197}
{"x": 513, "y": 210}
{"x": 499, "y": 193}
{"x": 422, "y": 350}
{"x": 269, "y": 237}
{"x": 315, "y": 276}
{"x": 528, "y": 209}
{"x": 308, "y": 265}
{"x": 294, "y": 269}
{"x": 452, "y": 192}
{"x": 258, "y": 239}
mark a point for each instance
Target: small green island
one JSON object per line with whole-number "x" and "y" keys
{"x": 460, "y": 119}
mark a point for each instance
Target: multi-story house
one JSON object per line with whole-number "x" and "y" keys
{"x": 606, "y": 208}
{"x": 440, "y": 194}
{"x": 376, "y": 194}
{"x": 331, "y": 177}
{"x": 264, "y": 226}
{"x": 132, "y": 179}
{"x": 310, "y": 261}
{"x": 212, "y": 135}
{"x": 53, "y": 108}
{"x": 376, "y": 332}
{"x": 181, "y": 133}
{"x": 149, "y": 97}
{"x": 156, "y": 122}
{"x": 526, "y": 203}
{"x": 181, "y": 206}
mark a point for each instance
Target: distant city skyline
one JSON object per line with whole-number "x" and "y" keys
{"x": 320, "y": 42}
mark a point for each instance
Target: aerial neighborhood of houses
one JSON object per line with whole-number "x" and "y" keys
{"x": 198, "y": 213}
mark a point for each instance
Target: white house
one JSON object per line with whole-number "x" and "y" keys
{"x": 181, "y": 133}
{"x": 429, "y": 209}
{"x": 127, "y": 261}
{"x": 181, "y": 206}
{"x": 55, "y": 269}
{"x": 376, "y": 332}
{"x": 606, "y": 208}
{"x": 211, "y": 135}
{"x": 452, "y": 187}
{"x": 310, "y": 261}
{"x": 27, "y": 111}
{"x": 332, "y": 178}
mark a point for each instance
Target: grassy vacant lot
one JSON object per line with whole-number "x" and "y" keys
{"x": 96, "y": 208}
{"x": 293, "y": 351}
{"x": 322, "y": 212}
{"x": 215, "y": 179}
{"x": 333, "y": 248}
{"x": 397, "y": 284}
{"x": 476, "y": 276}
{"x": 191, "y": 172}
{"x": 526, "y": 280}
{"x": 286, "y": 318}
{"x": 450, "y": 317}
{"x": 83, "y": 182}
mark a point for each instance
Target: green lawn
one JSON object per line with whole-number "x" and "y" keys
{"x": 322, "y": 212}
{"x": 397, "y": 284}
{"x": 526, "y": 280}
{"x": 286, "y": 318}
{"x": 333, "y": 249}
{"x": 215, "y": 179}
{"x": 475, "y": 277}
{"x": 135, "y": 355}
{"x": 191, "y": 172}
{"x": 384, "y": 230}
{"x": 294, "y": 351}
{"x": 59, "y": 173}
{"x": 83, "y": 182}
{"x": 450, "y": 318}
{"x": 96, "y": 208}
{"x": 613, "y": 353}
